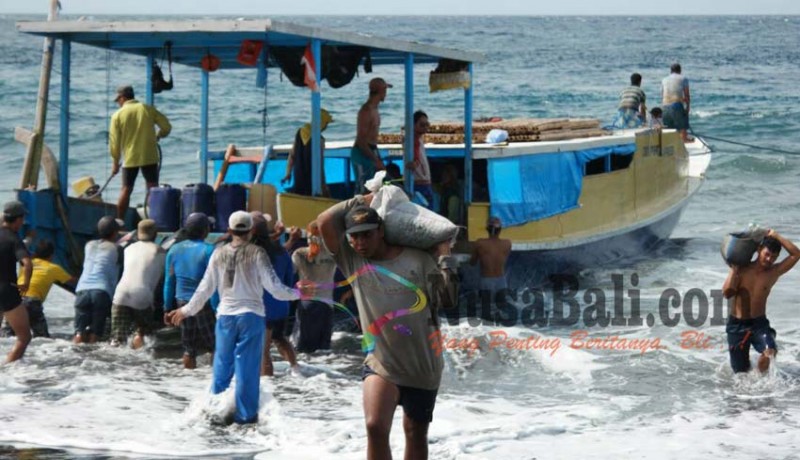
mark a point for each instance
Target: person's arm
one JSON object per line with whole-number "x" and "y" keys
{"x": 64, "y": 279}
{"x": 27, "y": 270}
{"x": 643, "y": 108}
{"x": 114, "y": 139}
{"x": 687, "y": 98}
{"x": 290, "y": 163}
{"x": 164, "y": 126}
{"x": 169, "y": 283}
{"x": 474, "y": 257}
{"x": 731, "y": 285}
{"x": 794, "y": 253}
{"x": 294, "y": 236}
{"x": 331, "y": 222}
{"x": 444, "y": 282}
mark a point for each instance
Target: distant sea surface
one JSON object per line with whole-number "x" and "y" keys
{"x": 96, "y": 402}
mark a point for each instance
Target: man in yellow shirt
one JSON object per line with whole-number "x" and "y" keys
{"x": 45, "y": 273}
{"x": 132, "y": 137}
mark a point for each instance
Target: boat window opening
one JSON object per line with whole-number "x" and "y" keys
{"x": 596, "y": 166}
{"x": 619, "y": 162}
{"x": 480, "y": 181}
{"x": 608, "y": 163}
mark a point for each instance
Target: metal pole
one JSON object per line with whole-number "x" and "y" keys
{"x": 149, "y": 75}
{"x": 204, "y": 85}
{"x": 468, "y": 140}
{"x": 408, "y": 140}
{"x": 316, "y": 132}
{"x": 63, "y": 148}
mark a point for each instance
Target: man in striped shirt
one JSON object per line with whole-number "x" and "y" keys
{"x": 632, "y": 110}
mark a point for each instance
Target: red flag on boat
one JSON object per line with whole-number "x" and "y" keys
{"x": 310, "y": 73}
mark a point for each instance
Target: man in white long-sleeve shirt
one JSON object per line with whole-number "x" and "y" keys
{"x": 240, "y": 271}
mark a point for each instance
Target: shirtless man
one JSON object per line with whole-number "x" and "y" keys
{"x": 750, "y": 286}
{"x": 364, "y": 155}
{"x": 492, "y": 253}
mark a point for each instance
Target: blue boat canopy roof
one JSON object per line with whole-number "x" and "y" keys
{"x": 191, "y": 40}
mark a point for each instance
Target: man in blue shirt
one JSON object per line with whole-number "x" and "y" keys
{"x": 185, "y": 266}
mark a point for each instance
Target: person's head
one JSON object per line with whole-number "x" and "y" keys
{"x": 261, "y": 224}
{"x": 364, "y": 228}
{"x": 108, "y": 228}
{"x": 392, "y": 172}
{"x": 146, "y": 230}
{"x": 377, "y": 88}
{"x": 675, "y": 68}
{"x": 636, "y": 79}
{"x": 768, "y": 251}
{"x": 240, "y": 224}
{"x": 493, "y": 226}
{"x": 656, "y": 112}
{"x": 421, "y": 123}
{"x": 124, "y": 93}
{"x": 44, "y": 250}
{"x": 197, "y": 226}
{"x": 14, "y": 215}
{"x": 325, "y": 118}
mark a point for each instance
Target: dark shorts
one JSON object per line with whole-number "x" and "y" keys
{"x": 150, "y": 173}
{"x": 277, "y": 327}
{"x": 675, "y": 116}
{"x": 124, "y": 319}
{"x": 92, "y": 307}
{"x": 314, "y": 326}
{"x": 9, "y": 297}
{"x": 36, "y": 319}
{"x": 417, "y": 403}
{"x": 197, "y": 332}
{"x": 745, "y": 332}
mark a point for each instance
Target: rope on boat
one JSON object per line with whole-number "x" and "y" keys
{"x": 744, "y": 144}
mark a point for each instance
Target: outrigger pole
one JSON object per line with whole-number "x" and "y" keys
{"x": 33, "y": 155}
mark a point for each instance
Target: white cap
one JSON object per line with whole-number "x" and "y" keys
{"x": 240, "y": 221}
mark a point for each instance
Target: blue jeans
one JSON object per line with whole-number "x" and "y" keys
{"x": 239, "y": 344}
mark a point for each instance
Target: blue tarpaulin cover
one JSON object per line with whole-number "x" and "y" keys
{"x": 533, "y": 187}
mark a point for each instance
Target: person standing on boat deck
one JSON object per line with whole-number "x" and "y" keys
{"x": 12, "y": 250}
{"x": 402, "y": 368}
{"x": 299, "y": 160}
{"x": 186, "y": 263}
{"x": 676, "y": 101}
{"x": 364, "y": 155}
{"x": 492, "y": 254}
{"x": 133, "y": 299}
{"x": 133, "y": 140}
{"x": 44, "y": 274}
{"x": 241, "y": 271}
{"x": 750, "y": 286}
{"x": 632, "y": 111}
{"x": 276, "y": 311}
{"x": 419, "y": 166}
{"x": 314, "y": 321}
{"x": 102, "y": 262}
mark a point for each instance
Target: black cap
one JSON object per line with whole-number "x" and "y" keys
{"x": 14, "y": 209}
{"x": 107, "y": 226}
{"x": 361, "y": 219}
{"x": 197, "y": 221}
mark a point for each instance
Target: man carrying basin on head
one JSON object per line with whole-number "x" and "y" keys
{"x": 749, "y": 286}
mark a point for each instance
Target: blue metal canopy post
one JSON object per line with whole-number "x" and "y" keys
{"x": 149, "y": 75}
{"x": 316, "y": 131}
{"x": 63, "y": 141}
{"x": 408, "y": 140}
{"x": 204, "y": 84}
{"x": 468, "y": 140}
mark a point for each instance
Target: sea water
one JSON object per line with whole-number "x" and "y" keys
{"x": 512, "y": 391}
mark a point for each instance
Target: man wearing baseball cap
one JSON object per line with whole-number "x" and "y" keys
{"x": 364, "y": 155}
{"x": 12, "y": 250}
{"x": 186, "y": 263}
{"x": 240, "y": 271}
{"x": 133, "y": 140}
{"x": 402, "y": 367}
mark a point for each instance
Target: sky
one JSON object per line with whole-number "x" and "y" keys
{"x": 408, "y": 7}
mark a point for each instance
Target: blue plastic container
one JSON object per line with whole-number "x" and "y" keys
{"x": 163, "y": 206}
{"x": 197, "y": 198}
{"x": 230, "y": 198}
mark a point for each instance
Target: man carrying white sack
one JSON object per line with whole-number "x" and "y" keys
{"x": 240, "y": 271}
{"x": 398, "y": 291}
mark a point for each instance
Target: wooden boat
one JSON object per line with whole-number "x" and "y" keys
{"x": 631, "y": 185}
